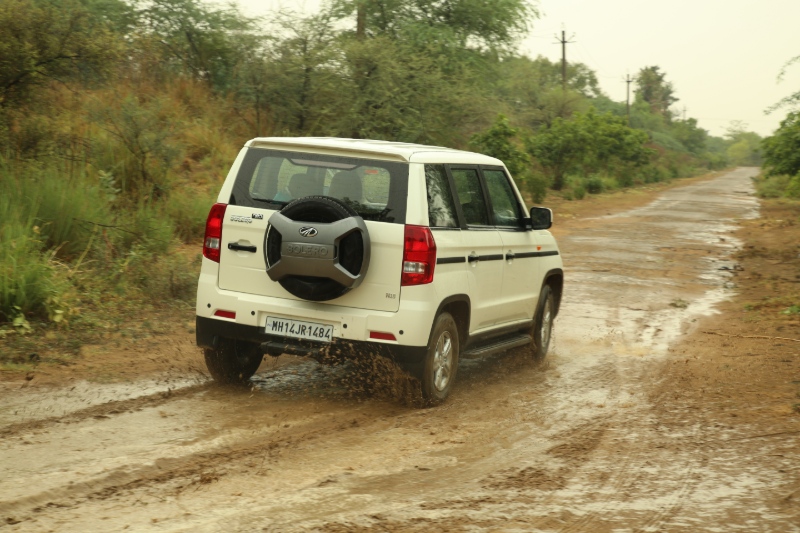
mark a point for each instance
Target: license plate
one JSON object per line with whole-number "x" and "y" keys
{"x": 299, "y": 329}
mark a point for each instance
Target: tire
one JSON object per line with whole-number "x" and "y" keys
{"x": 352, "y": 250}
{"x": 439, "y": 369}
{"x": 233, "y": 362}
{"x": 543, "y": 324}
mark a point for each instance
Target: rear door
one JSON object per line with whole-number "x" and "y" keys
{"x": 482, "y": 246}
{"x": 269, "y": 179}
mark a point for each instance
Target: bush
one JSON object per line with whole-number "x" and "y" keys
{"x": 28, "y": 281}
{"x": 578, "y": 191}
{"x": 771, "y": 186}
{"x": 595, "y": 185}
{"x": 188, "y": 211}
{"x": 793, "y": 188}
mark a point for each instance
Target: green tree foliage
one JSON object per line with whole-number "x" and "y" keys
{"x": 744, "y": 147}
{"x": 463, "y": 24}
{"x": 498, "y": 141}
{"x": 203, "y": 40}
{"x": 531, "y": 89}
{"x": 292, "y": 83}
{"x": 652, "y": 88}
{"x": 42, "y": 41}
{"x": 782, "y": 150}
{"x": 692, "y": 137}
{"x": 590, "y": 142}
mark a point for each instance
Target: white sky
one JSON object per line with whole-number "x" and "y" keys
{"x": 722, "y": 56}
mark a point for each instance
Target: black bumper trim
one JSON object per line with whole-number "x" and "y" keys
{"x": 208, "y": 331}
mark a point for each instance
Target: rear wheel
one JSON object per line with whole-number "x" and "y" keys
{"x": 543, "y": 324}
{"x": 233, "y": 361}
{"x": 441, "y": 360}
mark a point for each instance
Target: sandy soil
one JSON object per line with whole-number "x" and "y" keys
{"x": 669, "y": 403}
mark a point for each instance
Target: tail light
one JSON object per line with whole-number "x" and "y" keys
{"x": 213, "y": 237}
{"x": 419, "y": 256}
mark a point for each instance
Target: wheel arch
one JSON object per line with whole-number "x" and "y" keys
{"x": 459, "y": 306}
{"x": 555, "y": 278}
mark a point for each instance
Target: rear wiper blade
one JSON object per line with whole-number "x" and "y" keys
{"x": 269, "y": 201}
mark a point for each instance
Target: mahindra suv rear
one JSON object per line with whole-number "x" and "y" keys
{"x": 421, "y": 254}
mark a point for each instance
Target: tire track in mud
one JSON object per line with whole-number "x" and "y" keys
{"x": 104, "y": 410}
{"x": 177, "y": 474}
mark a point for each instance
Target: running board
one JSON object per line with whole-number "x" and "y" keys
{"x": 503, "y": 345}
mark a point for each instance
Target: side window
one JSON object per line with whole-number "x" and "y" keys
{"x": 470, "y": 196}
{"x": 505, "y": 205}
{"x": 441, "y": 209}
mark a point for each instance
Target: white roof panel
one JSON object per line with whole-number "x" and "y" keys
{"x": 412, "y": 153}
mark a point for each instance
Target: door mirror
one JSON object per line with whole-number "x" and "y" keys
{"x": 541, "y": 218}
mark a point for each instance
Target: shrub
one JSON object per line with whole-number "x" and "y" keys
{"x": 594, "y": 185}
{"x": 188, "y": 211}
{"x": 771, "y": 186}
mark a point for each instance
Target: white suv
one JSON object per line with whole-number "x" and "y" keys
{"x": 418, "y": 253}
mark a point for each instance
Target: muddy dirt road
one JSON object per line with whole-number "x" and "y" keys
{"x": 598, "y": 439}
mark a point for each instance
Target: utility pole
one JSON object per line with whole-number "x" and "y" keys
{"x": 564, "y": 42}
{"x": 628, "y": 80}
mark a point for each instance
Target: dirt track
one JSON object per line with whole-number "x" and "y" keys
{"x": 630, "y": 426}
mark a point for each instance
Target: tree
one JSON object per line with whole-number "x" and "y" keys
{"x": 744, "y": 147}
{"x": 292, "y": 83}
{"x": 794, "y": 98}
{"x": 782, "y": 150}
{"x": 692, "y": 137}
{"x": 590, "y": 142}
{"x": 45, "y": 41}
{"x": 652, "y": 87}
{"x": 204, "y": 41}
{"x": 531, "y": 89}
{"x": 497, "y": 142}
{"x": 472, "y": 24}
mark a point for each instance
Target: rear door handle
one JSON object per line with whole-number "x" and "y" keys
{"x": 473, "y": 258}
{"x": 510, "y": 256}
{"x": 242, "y": 247}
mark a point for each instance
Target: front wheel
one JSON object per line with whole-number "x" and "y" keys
{"x": 441, "y": 360}
{"x": 543, "y": 323}
{"x": 233, "y": 362}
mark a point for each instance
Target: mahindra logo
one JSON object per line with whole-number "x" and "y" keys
{"x": 308, "y": 231}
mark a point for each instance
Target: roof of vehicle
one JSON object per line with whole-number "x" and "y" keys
{"x": 398, "y": 151}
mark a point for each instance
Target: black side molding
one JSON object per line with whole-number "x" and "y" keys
{"x": 450, "y": 260}
{"x": 531, "y": 254}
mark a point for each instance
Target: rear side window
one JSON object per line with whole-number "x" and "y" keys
{"x": 270, "y": 179}
{"x": 470, "y": 195}
{"x": 505, "y": 206}
{"x": 441, "y": 208}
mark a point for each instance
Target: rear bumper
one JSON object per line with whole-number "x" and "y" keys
{"x": 209, "y": 331}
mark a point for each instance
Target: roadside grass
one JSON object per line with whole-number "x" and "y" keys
{"x": 774, "y": 277}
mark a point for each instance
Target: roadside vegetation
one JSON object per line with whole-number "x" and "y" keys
{"x": 120, "y": 118}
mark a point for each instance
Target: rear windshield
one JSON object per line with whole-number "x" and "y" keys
{"x": 270, "y": 179}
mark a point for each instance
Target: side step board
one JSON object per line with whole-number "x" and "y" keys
{"x": 506, "y": 343}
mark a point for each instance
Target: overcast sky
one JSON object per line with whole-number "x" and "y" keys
{"x": 722, "y": 56}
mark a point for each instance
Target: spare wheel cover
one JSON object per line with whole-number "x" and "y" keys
{"x": 317, "y": 248}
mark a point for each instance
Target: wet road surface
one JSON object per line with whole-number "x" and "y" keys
{"x": 586, "y": 442}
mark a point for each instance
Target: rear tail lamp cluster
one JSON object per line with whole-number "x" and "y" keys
{"x": 213, "y": 237}
{"x": 419, "y": 256}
